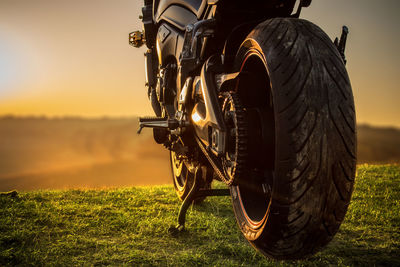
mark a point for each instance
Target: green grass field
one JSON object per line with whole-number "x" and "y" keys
{"x": 130, "y": 227}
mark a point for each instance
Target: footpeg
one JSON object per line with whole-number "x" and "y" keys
{"x": 157, "y": 122}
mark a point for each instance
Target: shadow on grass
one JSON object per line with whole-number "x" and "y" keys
{"x": 349, "y": 247}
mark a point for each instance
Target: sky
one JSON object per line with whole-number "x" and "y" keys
{"x": 72, "y": 58}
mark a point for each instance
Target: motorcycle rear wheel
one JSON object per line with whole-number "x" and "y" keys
{"x": 295, "y": 194}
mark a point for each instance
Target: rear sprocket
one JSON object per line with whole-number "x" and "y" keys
{"x": 235, "y": 159}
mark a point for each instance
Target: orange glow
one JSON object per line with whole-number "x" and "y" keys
{"x": 51, "y": 64}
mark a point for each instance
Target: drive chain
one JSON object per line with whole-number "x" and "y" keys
{"x": 240, "y": 142}
{"x": 215, "y": 167}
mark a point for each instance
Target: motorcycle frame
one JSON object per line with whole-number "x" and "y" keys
{"x": 188, "y": 36}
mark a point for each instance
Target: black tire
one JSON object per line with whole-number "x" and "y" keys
{"x": 292, "y": 203}
{"x": 183, "y": 179}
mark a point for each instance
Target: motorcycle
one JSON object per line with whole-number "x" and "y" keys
{"x": 247, "y": 93}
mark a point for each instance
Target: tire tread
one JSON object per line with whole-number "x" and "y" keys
{"x": 315, "y": 138}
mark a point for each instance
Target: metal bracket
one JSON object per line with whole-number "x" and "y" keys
{"x": 192, "y": 45}
{"x": 341, "y": 45}
{"x": 302, "y": 3}
{"x": 206, "y": 116}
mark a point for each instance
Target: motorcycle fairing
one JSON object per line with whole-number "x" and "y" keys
{"x": 178, "y": 16}
{"x": 169, "y": 40}
{"x": 196, "y": 7}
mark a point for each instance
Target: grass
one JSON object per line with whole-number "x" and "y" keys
{"x": 130, "y": 227}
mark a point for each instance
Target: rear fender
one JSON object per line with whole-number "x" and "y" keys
{"x": 233, "y": 42}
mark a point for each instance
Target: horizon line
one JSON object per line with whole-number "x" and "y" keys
{"x": 127, "y": 117}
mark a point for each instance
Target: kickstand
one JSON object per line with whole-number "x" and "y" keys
{"x": 174, "y": 230}
{"x": 193, "y": 194}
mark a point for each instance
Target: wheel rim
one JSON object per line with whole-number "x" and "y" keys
{"x": 179, "y": 172}
{"x": 253, "y": 193}
{"x": 177, "y": 164}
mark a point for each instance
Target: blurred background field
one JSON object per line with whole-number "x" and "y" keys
{"x": 41, "y": 153}
{"x": 61, "y": 153}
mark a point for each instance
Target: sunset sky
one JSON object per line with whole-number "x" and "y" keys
{"x": 71, "y": 57}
